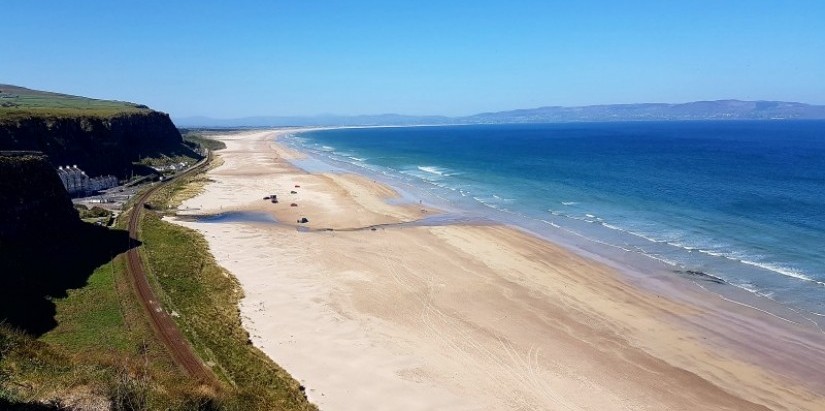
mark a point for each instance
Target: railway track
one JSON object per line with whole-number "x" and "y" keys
{"x": 162, "y": 323}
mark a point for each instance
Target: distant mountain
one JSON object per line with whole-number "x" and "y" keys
{"x": 322, "y": 120}
{"x": 697, "y": 110}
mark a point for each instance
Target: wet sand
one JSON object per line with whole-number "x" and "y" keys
{"x": 467, "y": 316}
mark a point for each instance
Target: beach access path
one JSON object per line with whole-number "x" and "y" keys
{"x": 471, "y": 317}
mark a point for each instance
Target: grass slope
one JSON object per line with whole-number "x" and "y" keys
{"x": 19, "y": 102}
{"x": 201, "y": 138}
{"x": 204, "y": 299}
{"x": 103, "y": 353}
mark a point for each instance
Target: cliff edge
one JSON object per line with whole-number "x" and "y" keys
{"x": 33, "y": 201}
{"x": 100, "y": 136}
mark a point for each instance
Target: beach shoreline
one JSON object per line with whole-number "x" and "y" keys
{"x": 474, "y": 316}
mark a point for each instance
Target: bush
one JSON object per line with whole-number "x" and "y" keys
{"x": 95, "y": 212}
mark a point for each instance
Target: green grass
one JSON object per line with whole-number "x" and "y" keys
{"x": 104, "y": 348}
{"x": 94, "y": 212}
{"x": 165, "y": 160}
{"x": 29, "y": 368}
{"x": 192, "y": 141}
{"x": 206, "y": 299}
{"x": 18, "y": 102}
{"x": 199, "y": 138}
{"x": 91, "y": 319}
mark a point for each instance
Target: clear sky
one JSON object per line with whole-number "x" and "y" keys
{"x": 230, "y": 59}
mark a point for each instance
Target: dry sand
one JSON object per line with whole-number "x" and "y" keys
{"x": 475, "y": 317}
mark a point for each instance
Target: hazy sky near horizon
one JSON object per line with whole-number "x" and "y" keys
{"x": 249, "y": 58}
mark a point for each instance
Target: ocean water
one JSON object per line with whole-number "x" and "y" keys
{"x": 740, "y": 201}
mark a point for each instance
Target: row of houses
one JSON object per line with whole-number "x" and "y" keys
{"x": 77, "y": 182}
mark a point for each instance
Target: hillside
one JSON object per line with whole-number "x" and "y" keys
{"x": 697, "y": 110}
{"x": 37, "y": 219}
{"x": 22, "y": 102}
{"x": 99, "y": 136}
{"x": 32, "y": 199}
{"x": 74, "y": 334}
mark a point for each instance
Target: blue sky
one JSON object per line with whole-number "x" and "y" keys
{"x": 235, "y": 59}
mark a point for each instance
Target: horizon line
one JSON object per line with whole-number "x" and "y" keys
{"x": 310, "y": 116}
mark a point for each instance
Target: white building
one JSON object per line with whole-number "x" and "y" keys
{"x": 77, "y": 182}
{"x": 102, "y": 183}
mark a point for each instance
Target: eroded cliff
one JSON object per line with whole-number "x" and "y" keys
{"x": 33, "y": 201}
{"x": 98, "y": 145}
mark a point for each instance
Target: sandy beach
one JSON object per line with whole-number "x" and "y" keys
{"x": 475, "y": 317}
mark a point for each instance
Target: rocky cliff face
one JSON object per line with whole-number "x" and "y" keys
{"x": 97, "y": 145}
{"x": 33, "y": 202}
{"x": 45, "y": 249}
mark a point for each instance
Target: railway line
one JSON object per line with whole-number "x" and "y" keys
{"x": 162, "y": 323}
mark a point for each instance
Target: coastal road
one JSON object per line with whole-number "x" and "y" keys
{"x": 162, "y": 324}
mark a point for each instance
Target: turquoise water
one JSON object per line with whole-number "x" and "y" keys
{"x": 740, "y": 201}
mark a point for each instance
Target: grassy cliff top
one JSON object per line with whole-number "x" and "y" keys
{"x": 19, "y": 102}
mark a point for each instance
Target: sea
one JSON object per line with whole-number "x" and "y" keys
{"x": 736, "y": 203}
